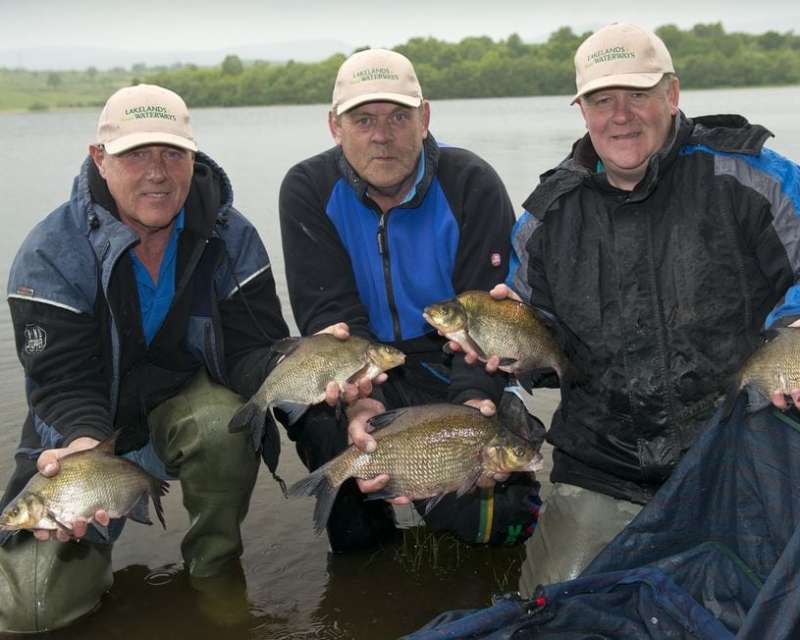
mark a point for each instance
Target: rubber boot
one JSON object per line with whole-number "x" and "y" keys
{"x": 49, "y": 585}
{"x": 217, "y": 470}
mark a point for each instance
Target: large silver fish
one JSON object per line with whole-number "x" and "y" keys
{"x": 507, "y": 328}
{"x": 773, "y": 366}
{"x": 310, "y": 363}
{"x": 86, "y": 482}
{"x": 427, "y": 451}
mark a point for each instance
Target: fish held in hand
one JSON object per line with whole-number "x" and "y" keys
{"x": 427, "y": 451}
{"x": 507, "y": 328}
{"x": 773, "y": 367}
{"x": 301, "y": 378}
{"x": 87, "y": 481}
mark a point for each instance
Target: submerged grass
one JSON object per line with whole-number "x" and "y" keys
{"x": 425, "y": 550}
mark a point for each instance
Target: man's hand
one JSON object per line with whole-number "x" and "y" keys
{"x": 358, "y": 432}
{"x": 351, "y": 392}
{"x": 48, "y": 465}
{"x": 779, "y": 400}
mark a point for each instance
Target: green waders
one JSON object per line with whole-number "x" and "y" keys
{"x": 574, "y": 526}
{"x": 48, "y": 585}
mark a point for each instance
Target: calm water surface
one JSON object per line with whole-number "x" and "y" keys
{"x": 294, "y": 588}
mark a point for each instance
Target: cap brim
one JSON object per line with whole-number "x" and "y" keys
{"x": 398, "y": 98}
{"x": 125, "y": 143}
{"x": 622, "y": 80}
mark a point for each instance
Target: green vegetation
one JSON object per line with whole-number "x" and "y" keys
{"x": 477, "y": 67}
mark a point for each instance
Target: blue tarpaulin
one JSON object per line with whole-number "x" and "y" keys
{"x": 715, "y": 554}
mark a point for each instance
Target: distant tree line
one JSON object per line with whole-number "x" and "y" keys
{"x": 478, "y": 67}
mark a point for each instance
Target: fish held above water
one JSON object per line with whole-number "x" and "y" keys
{"x": 507, "y": 328}
{"x": 87, "y": 481}
{"x": 310, "y": 363}
{"x": 773, "y": 366}
{"x": 427, "y": 451}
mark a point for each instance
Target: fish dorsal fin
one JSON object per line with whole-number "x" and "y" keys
{"x": 387, "y": 417}
{"x": 287, "y": 345}
{"x": 108, "y": 444}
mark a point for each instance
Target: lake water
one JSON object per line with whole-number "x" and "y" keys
{"x": 294, "y": 588}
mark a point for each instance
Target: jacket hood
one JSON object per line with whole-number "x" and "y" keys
{"x": 211, "y": 194}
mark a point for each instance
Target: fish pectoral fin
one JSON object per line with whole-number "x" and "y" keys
{"x": 470, "y": 344}
{"x": 355, "y": 377}
{"x": 103, "y": 531}
{"x": 60, "y": 525}
{"x": 432, "y": 503}
{"x": 508, "y": 361}
{"x": 381, "y": 494}
{"x": 468, "y": 483}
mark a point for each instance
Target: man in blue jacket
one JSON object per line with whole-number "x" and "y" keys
{"x": 145, "y": 303}
{"x": 374, "y": 229}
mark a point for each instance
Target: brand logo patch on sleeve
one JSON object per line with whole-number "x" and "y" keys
{"x": 25, "y": 291}
{"x": 496, "y": 260}
{"x": 35, "y": 338}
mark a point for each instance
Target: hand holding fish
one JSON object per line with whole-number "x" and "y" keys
{"x": 351, "y": 392}
{"x": 358, "y": 430}
{"x": 48, "y": 465}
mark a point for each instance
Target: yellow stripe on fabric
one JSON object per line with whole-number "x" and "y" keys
{"x": 487, "y": 515}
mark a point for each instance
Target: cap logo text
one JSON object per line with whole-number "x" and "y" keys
{"x": 609, "y": 54}
{"x": 148, "y": 111}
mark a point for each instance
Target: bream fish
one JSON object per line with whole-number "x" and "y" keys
{"x": 773, "y": 366}
{"x": 427, "y": 451}
{"x": 507, "y": 328}
{"x": 87, "y": 481}
{"x": 300, "y": 379}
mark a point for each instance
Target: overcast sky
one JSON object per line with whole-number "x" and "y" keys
{"x": 168, "y": 25}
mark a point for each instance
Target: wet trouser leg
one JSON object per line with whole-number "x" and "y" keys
{"x": 217, "y": 470}
{"x": 574, "y": 526}
{"x": 354, "y": 523}
{"x": 48, "y": 585}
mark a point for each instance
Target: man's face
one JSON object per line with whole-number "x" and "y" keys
{"x": 628, "y": 126}
{"x": 149, "y": 184}
{"x": 382, "y": 141}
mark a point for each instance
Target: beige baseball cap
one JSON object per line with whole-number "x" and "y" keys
{"x": 375, "y": 75}
{"x": 144, "y": 114}
{"x": 620, "y": 55}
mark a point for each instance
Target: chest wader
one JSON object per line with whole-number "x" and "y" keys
{"x": 575, "y": 524}
{"x": 217, "y": 470}
{"x": 48, "y": 585}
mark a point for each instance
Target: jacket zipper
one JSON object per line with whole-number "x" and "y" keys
{"x": 383, "y": 249}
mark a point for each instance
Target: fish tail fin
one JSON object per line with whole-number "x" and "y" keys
{"x": 318, "y": 484}
{"x": 251, "y": 415}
